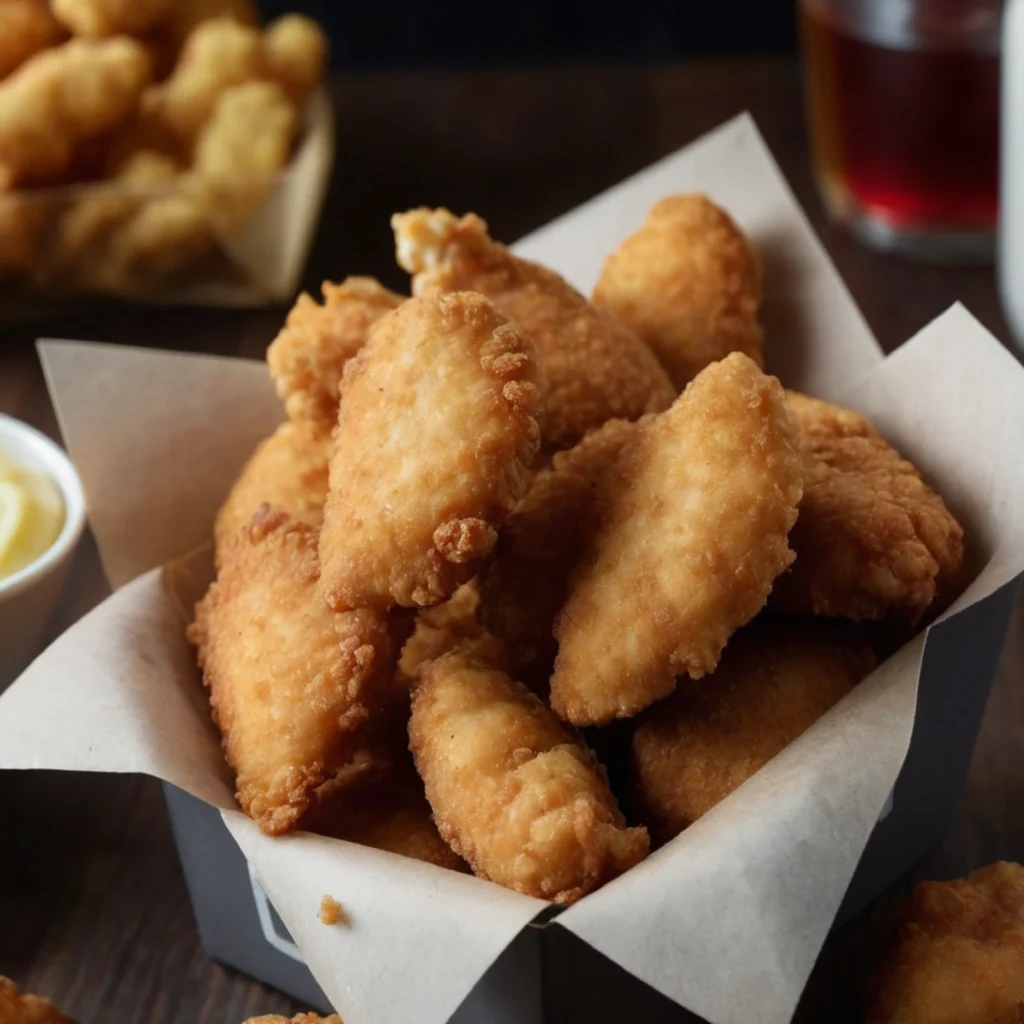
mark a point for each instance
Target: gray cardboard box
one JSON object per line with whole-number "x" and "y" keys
{"x": 532, "y": 980}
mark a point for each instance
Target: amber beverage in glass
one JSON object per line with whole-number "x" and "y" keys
{"x": 903, "y": 108}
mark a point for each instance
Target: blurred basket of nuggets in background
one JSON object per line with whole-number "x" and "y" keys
{"x": 158, "y": 150}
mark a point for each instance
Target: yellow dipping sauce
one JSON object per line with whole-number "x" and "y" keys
{"x": 31, "y": 515}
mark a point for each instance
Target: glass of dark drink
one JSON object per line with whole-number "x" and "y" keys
{"x": 903, "y": 111}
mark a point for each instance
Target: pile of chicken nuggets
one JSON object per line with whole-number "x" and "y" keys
{"x": 135, "y": 135}
{"x": 504, "y": 526}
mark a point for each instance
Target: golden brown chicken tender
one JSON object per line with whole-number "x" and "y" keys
{"x": 297, "y": 54}
{"x": 435, "y": 433}
{"x": 45, "y": 113}
{"x": 308, "y": 356}
{"x": 597, "y": 369}
{"x": 696, "y": 512}
{"x": 873, "y": 540}
{"x": 17, "y": 1007}
{"x": 776, "y": 678}
{"x": 110, "y": 17}
{"x": 524, "y": 582}
{"x": 511, "y": 790}
{"x": 389, "y": 814}
{"x": 689, "y": 284}
{"x": 26, "y": 27}
{"x": 290, "y": 681}
{"x": 960, "y": 957}
{"x": 287, "y": 470}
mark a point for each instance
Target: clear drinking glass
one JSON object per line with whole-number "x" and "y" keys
{"x": 903, "y": 110}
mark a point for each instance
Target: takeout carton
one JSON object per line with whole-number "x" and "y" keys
{"x": 232, "y": 242}
{"x": 727, "y": 919}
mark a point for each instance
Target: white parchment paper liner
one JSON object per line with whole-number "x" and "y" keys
{"x": 728, "y": 919}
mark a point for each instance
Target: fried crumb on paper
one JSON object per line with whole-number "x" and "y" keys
{"x": 331, "y": 911}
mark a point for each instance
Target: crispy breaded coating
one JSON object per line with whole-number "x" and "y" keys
{"x": 689, "y": 284}
{"x": 290, "y": 681}
{"x": 597, "y": 369}
{"x": 435, "y": 433}
{"x": 512, "y": 792}
{"x": 26, "y": 27}
{"x": 776, "y": 678}
{"x": 873, "y": 540}
{"x": 287, "y": 470}
{"x": 388, "y": 814}
{"x": 99, "y": 18}
{"x": 297, "y": 54}
{"x": 697, "y": 509}
{"x": 17, "y": 1007}
{"x": 444, "y": 626}
{"x": 960, "y": 956}
{"x": 308, "y": 356}
{"x": 218, "y": 54}
{"x": 524, "y": 582}
{"x": 817, "y": 418}
{"x": 46, "y": 110}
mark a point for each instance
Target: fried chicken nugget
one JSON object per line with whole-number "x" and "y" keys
{"x": 17, "y": 1007}
{"x": 84, "y": 233}
{"x": 689, "y": 284}
{"x": 512, "y": 792}
{"x": 960, "y": 956}
{"x": 873, "y": 540}
{"x": 389, "y": 814}
{"x": 26, "y": 27}
{"x": 290, "y": 681}
{"x": 697, "y": 508}
{"x": 97, "y": 18}
{"x": 46, "y": 111}
{"x": 435, "y": 433}
{"x": 218, "y": 54}
{"x": 523, "y": 583}
{"x": 246, "y": 141}
{"x": 288, "y": 470}
{"x": 776, "y": 678}
{"x": 297, "y": 54}
{"x": 597, "y": 369}
{"x": 308, "y": 356}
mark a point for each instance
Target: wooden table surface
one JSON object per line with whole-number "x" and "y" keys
{"x": 93, "y": 908}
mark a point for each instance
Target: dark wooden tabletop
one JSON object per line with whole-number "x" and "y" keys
{"x": 93, "y": 908}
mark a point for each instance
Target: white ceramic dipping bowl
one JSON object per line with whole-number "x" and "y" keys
{"x": 29, "y": 597}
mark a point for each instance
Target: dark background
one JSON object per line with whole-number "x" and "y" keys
{"x": 376, "y": 34}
